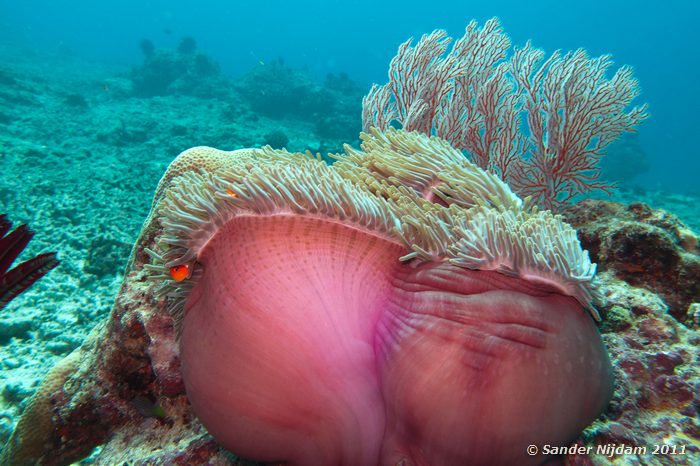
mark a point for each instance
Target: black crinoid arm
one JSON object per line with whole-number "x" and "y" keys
{"x": 19, "y": 278}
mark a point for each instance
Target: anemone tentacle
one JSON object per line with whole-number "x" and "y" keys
{"x": 474, "y": 220}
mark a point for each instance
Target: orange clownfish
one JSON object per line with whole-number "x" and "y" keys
{"x": 180, "y": 272}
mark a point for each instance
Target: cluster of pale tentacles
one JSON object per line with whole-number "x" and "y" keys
{"x": 411, "y": 189}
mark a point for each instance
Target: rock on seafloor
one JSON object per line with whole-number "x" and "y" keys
{"x": 644, "y": 247}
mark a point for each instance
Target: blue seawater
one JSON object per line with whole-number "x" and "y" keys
{"x": 659, "y": 39}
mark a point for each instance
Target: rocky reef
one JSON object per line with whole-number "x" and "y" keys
{"x": 184, "y": 70}
{"x": 648, "y": 289}
{"x": 277, "y": 91}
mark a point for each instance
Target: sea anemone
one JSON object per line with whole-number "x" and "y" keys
{"x": 400, "y": 305}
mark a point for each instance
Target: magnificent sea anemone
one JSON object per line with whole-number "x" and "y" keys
{"x": 401, "y": 306}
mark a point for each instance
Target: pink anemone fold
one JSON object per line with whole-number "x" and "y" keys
{"x": 401, "y": 306}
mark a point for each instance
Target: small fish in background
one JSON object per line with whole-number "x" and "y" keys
{"x": 257, "y": 59}
{"x": 148, "y": 408}
{"x": 167, "y": 31}
{"x": 16, "y": 280}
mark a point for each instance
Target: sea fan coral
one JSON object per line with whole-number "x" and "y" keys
{"x": 476, "y": 98}
{"x": 400, "y": 305}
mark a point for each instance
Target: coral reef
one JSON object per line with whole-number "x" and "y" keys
{"x": 182, "y": 71}
{"x": 652, "y": 343}
{"x": 277, "y": 91}
{"x": 212, "y": 110}
{"x": 645, "y": 247}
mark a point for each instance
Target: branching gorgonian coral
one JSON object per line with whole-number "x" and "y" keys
{"x": 477, "y": 99}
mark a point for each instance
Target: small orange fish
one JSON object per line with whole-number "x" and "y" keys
{"x": 231, "y": 193}
{"x": 180, "y": 272}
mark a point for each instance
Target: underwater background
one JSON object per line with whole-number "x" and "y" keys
{"x": 97, "y": 98}
{"x": 359, "y": 38}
